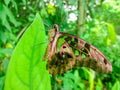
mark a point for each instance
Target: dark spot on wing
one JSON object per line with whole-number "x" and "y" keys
{"x": 84, "y": 50}
{"x": 68, "y": 55}
{"x": 76, "y": 40}
{"x": 105, "y": 61}
{"x": 87, "y": 46}
{"x": 68, "y": 39}
{"x": 64, "y": 46}
{"x": 72, "y": 43}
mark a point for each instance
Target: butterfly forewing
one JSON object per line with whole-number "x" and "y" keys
{"x": 67, "y": 51}
{"x": 90, "y": 52}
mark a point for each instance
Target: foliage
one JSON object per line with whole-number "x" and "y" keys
{"x": 102, "y": 30}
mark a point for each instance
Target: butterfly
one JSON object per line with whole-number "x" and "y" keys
{"x": 66, "y": 51}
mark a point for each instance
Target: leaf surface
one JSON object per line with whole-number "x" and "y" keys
{"x": 26, "y": 70}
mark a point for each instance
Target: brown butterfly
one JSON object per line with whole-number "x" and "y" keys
{"x": 66, "y": 51}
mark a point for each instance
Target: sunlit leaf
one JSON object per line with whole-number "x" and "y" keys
{"x": 99, "y": 85}
{"x": 116, "y": 86}
{"x": 43, "y": 13}
{"x": 51, "y": 9}
{"x": 91, "y": 78}
{"x": 26, "y": 70}
{"x": 111, "y": 33}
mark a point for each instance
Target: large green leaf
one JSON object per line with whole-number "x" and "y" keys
{"x": 26, "y": 70}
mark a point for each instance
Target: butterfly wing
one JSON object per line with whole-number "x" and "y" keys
{"x": 88, "y": 55}
{"x": 67, "y": 51}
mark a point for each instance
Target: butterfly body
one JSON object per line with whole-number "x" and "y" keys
{"x": 66, "y": 51}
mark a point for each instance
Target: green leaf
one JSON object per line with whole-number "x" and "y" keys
{"x": 6, "y": 15}
{"x": 24, "y": 2}
{"x": 99, "y": 85}
{"x": 111, "y": 34}
{"x": 7, "y": 2}
{"x": 3, "y": 17}
{"x": 91, "y": 78}
{"x": 26, "y": 70}
{"x": 43, "y": 13}
{"x": 11, "y": 16}
{"x": 72, "y": 2}
{"x": 6, "y": 51}
{"x": 116, "y": 86}
{"x": 15, "y": 4}
{"x": 2, "y": 82}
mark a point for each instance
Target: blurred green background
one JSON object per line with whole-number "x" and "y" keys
{"x": 96, "y": 21}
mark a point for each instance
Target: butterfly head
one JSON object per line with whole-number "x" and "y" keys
{"x": 52, "y": 33}
{"x": 56, "y": 27}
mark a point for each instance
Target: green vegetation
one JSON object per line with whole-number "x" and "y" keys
{"x": 23, "y": 42}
